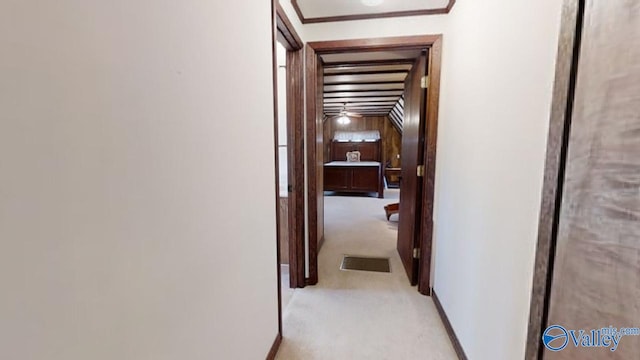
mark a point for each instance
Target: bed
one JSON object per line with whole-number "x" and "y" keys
{"x": 364, "y": 176}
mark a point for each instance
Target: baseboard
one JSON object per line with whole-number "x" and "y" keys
{"x": 274, "y": 348}
{"x": 447, "y": 325}
{"x": 320, "y": 243}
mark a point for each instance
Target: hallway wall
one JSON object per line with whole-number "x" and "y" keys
{"x": 127, "y": 228}
{"x": 498, "y": 69}
{"x": 497, "y": 81}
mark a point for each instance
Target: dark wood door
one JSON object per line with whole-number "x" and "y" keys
{"x": 596, "y": 273}
{"x": 412, "y": 155}
{"x": 315, "y": 157}
{"x": 295, "y": 153}
{"x": 319, "y": 143}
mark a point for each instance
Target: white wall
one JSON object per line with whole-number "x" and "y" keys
{"x": 498, "y": 70}
{"x": 498, "y": 67}
{"x": 137, "y": 213}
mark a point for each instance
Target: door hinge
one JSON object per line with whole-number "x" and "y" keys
{"x": 424, "y": 82}
{"x": 420, "y": 170}
{"x": 416, "y": 253}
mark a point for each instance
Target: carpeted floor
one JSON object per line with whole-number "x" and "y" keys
{"x": 285, "y": 291}
{"x": 361, "y": 315}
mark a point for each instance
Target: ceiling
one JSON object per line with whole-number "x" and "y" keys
{"x": 313, "y": 11}
{"x": 367, "y": 83}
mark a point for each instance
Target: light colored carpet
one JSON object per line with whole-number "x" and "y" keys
{"x": 285, "y": 291}
{"x": 361, "y": 315}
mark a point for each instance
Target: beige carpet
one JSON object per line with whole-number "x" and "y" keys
{"x": 361, "y": 315}
{"x": 285, "y": 291}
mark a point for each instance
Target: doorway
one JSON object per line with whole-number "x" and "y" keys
{"x": 289, "y": 158}
{"x": 288, "y": 53}
{"x": 284, "y": 198}
{"x": 414, "y": 246}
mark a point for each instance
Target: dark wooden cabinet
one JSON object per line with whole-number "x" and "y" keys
{"x": 355, "y": 177}
{"x": 358, "y": 178}
{"x": 337, "y": 178}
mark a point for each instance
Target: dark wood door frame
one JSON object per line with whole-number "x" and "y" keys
{"x": 286, "y": 35}
{"x": 284, "y": 32}
{"x": 313, "y": 52}
{"x": 557, "y": 145}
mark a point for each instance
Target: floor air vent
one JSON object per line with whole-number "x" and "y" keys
{"x": 365, "y": 264}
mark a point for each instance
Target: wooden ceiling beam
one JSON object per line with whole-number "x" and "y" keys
{"x": 367, "y": 72}
{"x": 369, "y": 63}
{"x": 361, "y": 99}
{"x": 363, "y": 93}
{"x": 359, "y": 111}
{"x": 364, "y": 87}
{"x": 339, "y": 70}
{"x": 385, "y": 108}
{"x": 382, "y": 108}
{"x": 365, "y": 79}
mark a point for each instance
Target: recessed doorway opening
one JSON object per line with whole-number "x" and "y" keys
{"x": 371, "y": 124}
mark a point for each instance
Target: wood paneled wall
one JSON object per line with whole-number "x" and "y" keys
{"x": 391, "y": 138}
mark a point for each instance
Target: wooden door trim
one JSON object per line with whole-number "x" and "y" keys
{"x": 557, "y": 144}
{"x": 280, "y": 25}
{"x": 375, "y": 44}
{"x": 287, "y": 35}
{"x": 285, "y": 32}
{"x": 313, "y": 51}
{"x": 311, "y": 69}
{"x": 274, "y": 69}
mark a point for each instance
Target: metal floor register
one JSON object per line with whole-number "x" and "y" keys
{"x": 365, "y": 264}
